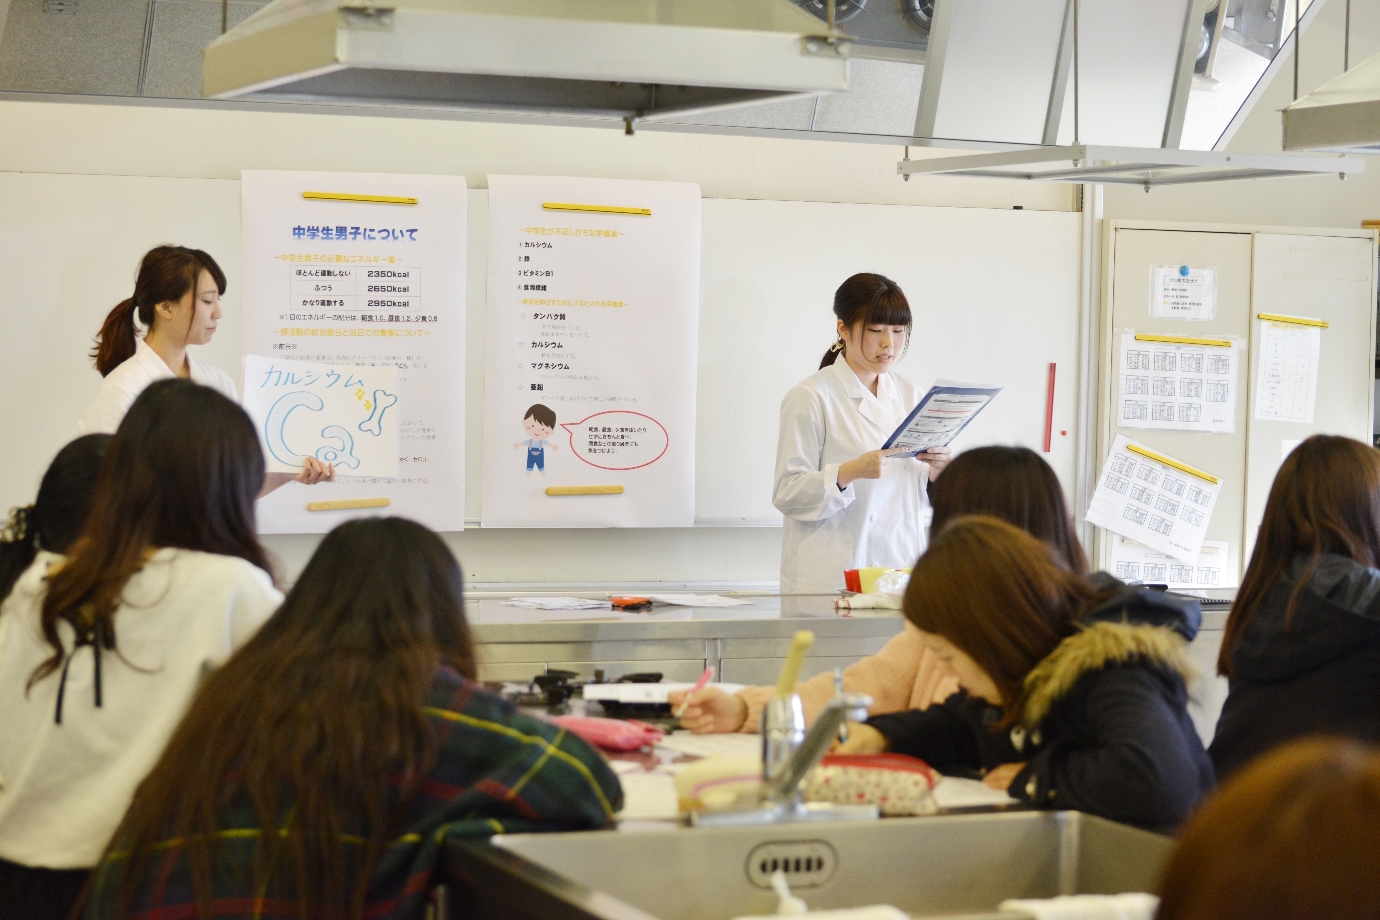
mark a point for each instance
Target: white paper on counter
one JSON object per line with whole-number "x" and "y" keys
{"x": 645, "y": 693}
{"x": 1216, "y": 566}
{"x": 957, "y": 792}
{"x": 593, "y": 317}
{"x": 1153, "y": 503}
{"x": 1286, "y": 380}
{"x": 1174, "y": 387}
{"x": 365, "y": 285}
{"x": 1181, "y": 292}
{"x": 557, "y": 603}
{"x": 339, "y": 414}
{"x": 708, "y": 745}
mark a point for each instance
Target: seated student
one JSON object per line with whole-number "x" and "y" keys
{"x": 1290, "y": 837}
{"x": 101, "y": 659}
{"x": 1012, "y": 483}
{"x": 50, "y": 525}
{"x": 1075, "y": 698}
{"x": 1302, "y": 643}
{"x": 351, "y": 723}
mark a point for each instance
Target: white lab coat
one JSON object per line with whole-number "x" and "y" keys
{"x": 828, "y": 419}
{"x": 124, "y": 384}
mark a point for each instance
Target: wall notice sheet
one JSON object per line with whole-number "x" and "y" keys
{"x": 1179, "y": 384}
{"x": 1134, "y": 561}
{"x": 1154, "y": 499}
{"x": 1286, "y": 382}
{"x": 359, "y": 273}
{"x": 592, "y": 347}
{"x": 942, "y": 413}
{"x": 1181, "y": 292}
{"x": 343, "y": 415}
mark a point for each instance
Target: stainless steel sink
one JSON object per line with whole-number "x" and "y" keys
{"x": 952, "y": 866}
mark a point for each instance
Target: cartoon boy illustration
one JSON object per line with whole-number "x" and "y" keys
{"x": 539, "y": 422}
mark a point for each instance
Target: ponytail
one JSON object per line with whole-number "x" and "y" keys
{"x": 18, "y": 547}
{"x": 831, "y": 355}
{"x": 166, "y": 275}
{"x": 117, "y": 340}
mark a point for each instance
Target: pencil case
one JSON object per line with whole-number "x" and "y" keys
{"x": 611, "y": 734}
{"x": 895, "y": 783}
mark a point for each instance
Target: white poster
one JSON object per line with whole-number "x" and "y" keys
{"x": 592, "y": 335}
{"x": 1154, "y": 500}
{"x": 1178, "y": 384}
{"x": 1181, "y": 292}
{"x": 1134, "y": 561}
{"x": 339, "y": 414}
{"x": 1286, "y": 381}
{"x": 361, "y": 271}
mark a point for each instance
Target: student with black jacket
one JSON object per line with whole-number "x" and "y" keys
{"x": 1074, "y": 689}
{"x": 1302, "y": 643}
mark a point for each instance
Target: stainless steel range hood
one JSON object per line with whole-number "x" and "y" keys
{"x": 1343, "y": 115}
{"x": 623, "y": 58}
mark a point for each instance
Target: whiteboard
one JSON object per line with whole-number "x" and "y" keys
{"x": 995, "y": 295}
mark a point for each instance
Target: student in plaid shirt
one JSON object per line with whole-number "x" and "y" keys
{"x": 319, "y": 771}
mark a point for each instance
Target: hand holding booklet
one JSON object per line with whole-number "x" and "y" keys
{"x": 941, "y": 414}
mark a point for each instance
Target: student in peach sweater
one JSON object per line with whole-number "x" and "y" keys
{"x": 1011, "y": 483}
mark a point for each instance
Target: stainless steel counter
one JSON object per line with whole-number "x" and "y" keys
{"x": 745, "y": 644}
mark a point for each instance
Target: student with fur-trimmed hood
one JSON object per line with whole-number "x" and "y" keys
{"x": 1074, "y": 689}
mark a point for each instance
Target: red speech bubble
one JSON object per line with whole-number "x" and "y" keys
{"x": 618, "y": 440}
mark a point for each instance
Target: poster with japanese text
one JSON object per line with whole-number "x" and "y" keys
{"x": 592, "y": 332}
{"x": 1286, "y": 382}
{"x": 1215, "y": 567}
{"x": 360, "y": 272}
{"x": 1154, "y": 500}
{"x": 1177, "y": 384}
{"x": 340, "y": 414}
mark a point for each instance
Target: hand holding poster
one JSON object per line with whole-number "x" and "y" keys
{"x": 1154, "y": 500}
{"x": 343, "y": 415}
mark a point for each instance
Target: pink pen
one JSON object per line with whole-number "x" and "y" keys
{"x": 705, "y": 678}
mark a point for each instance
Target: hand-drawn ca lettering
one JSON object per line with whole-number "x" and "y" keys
{"x": 340, "y": 452}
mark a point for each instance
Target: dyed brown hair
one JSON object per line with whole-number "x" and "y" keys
{"x": 183, "y": 471}
{"x": 1001, "y": 596}
{"x": 1014, "y": 484}
{"x": 868, "y": 298}
{"x": 166, "y": 274}
{"x": 1291, "y": 837}
{"x": 1325, "y": 499}
{"x": 311, "y": 723}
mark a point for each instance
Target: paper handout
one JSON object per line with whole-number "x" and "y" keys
{"x": 338, "y": 414}
{"x": 1154, "y": 500}
{"x": 1181, "y": 292}
{"x": 1286, "y": 383}
{"x": 1134, "y": 561}
{"x": 942, "y": 413}
{"x": 1177, "y": 383}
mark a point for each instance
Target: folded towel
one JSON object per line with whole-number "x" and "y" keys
{"x": 1086, "y": 907}
{"x": 874, "y": 912}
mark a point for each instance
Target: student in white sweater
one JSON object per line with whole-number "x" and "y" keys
{"x": 101, "y": 655}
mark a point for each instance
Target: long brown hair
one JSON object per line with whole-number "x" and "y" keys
{"x": 1001, "y": 596}
{"x": 1325, "y": 499}
{"x": 183, "y": 470}
{"x": 311, "y": 722}
{"x": 1291, "y": 837}
{"x": 1014, "y": 484}
{"x": 868, "y": 298}
{"x": 166, "y": 274}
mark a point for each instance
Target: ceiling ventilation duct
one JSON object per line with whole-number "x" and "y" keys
{"x": 1343, "y": 115}
{"x": 623, "y": 58}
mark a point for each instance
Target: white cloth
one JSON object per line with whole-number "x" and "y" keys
{"x": 826, "y": 420}
{"x": 64, "y": 788}
{"x": 1086, "y": 907}
{"x": 120, "y": 388}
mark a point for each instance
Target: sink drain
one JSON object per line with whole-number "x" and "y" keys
{"x": 806, "y": 863}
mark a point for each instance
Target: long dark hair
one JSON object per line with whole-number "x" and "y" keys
{"x": 166, "y": 273}
{"x": 868, "y": 298}
{"x": 183, "y": 470}
{"x": 1014, "y": 484}
{"x": 56, "y": 517}
{"x": 1325, "y": 499}
{"x": 1001, "y": 596}
{"x": 318, "y": 716}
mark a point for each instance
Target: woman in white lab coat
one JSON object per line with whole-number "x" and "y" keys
{"x": 847, "y": 503}
{"x": 177, "y": 301}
